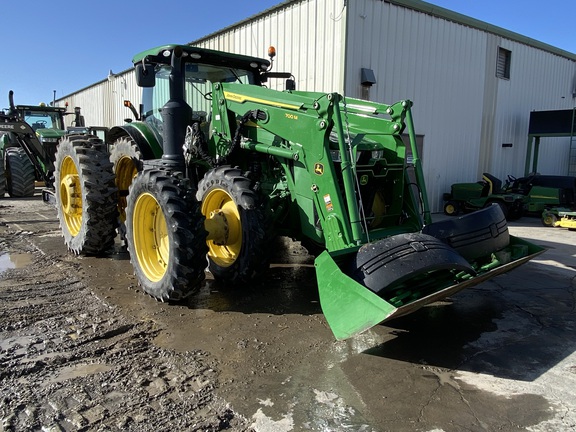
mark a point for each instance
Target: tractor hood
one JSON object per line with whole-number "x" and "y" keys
{"x": 48, "y": 134}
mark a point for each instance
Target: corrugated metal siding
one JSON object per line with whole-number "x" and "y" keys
{"x": 437, "y": 64}
{"x": 102, "y": 104}
{"x": 308, "y": 36}
{"x": 448, "y": 69}
{"x": 446, "y": 65}
{"x": 538, "y": 81}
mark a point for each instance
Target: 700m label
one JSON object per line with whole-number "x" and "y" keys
{"x": 291, "y": 116}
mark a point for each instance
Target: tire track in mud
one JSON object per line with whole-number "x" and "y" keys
{"x": 69, "y": 361}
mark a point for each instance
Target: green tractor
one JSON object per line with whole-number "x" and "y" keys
{"x": 216, "y": 165}
{"x": 543, "y": 192}
{"x": 469, "y": 197}
{"x": 29, "y": 136}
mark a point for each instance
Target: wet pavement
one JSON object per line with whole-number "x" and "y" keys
{"x": 499, "y": 356}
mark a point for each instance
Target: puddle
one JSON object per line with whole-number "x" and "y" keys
{"x": 78, "y": 371}
{"x": 10, "y": 261}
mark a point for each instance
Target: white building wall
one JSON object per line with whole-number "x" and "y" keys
{"x": 102, "y": 104}
{"x": 436, "y": 64}
{"x": 463, "y": 111}
{"x": 539, "y": 81}
{"x": 309, "y": 40}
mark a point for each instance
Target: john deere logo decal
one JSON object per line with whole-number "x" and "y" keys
{"x": 364, "y": 180}
{"x": 318, "y": 169}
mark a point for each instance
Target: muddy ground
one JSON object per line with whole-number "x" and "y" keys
{"x": 81, "y": 348}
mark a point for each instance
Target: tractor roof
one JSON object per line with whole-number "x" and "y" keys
{"x": 202, "y": 55}
{"x": 39, "y": 108}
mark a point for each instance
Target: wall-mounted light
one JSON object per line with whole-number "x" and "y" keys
{"x": 367, "y": 77}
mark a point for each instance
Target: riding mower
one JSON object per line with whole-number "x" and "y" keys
{"x": 469, "y": 197}
{"x": 559, "y": 217}
{"x": 216, "y": 165}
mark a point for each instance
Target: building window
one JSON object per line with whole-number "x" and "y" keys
{"x": 503, "y": 63}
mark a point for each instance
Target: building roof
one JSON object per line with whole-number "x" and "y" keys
{"x": 423, "y": 7}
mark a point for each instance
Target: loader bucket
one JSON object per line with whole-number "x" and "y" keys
{"x": 351, "y": 308}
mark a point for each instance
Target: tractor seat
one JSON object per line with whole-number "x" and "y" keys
{"x": 495, "y": 184}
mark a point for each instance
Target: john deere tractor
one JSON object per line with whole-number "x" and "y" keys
{"x": 216, "y": 165}
{"x": 26, "y": 154}
{"x": 29, "y": 135}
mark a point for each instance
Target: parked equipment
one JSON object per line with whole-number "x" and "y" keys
{"x": 559, "y": 217}
{"x": 469, "y": 197}
{"x": 29, "y": 135}
{"x": 217, "y": 165}
{"x": 545, "y": 191}
{"x": 26, "y": 157}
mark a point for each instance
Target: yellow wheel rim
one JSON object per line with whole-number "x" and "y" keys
{"x": 224, "y": 227}
{"x": 450, "y": 209}
{"x": 150, "y": 237}
{"x": 70, "y": 196}
{"x": 125, "y": 172}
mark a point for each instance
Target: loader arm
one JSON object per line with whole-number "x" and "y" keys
{"x": 383, "y": 255}
{"x": 320, "y": 139}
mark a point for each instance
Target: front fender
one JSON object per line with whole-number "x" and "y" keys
{"x": 142, "y": 135}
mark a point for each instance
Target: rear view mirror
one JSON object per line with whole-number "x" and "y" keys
{"x": 145, "y": 76}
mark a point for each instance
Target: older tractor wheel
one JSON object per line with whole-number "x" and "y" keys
{"x": 86, "y": 195}
{"x": 127, "y": 162}
{"x": 165, "y": 235}
{"x": 237, "y": 250}
{"x": 20, "y": 173}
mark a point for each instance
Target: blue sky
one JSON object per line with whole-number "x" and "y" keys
{"x": 68, "y": 45}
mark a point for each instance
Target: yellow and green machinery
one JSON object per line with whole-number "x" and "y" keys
{"x": 217, "y": 164}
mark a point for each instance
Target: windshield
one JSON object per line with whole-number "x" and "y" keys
{"x": 43, "y": 119}
{"x": 198, "y": 82}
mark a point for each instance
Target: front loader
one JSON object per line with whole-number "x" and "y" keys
{"x": 28, "y": 140}
{"x": 24, "y": 156}
{"x": 217, "y": 165}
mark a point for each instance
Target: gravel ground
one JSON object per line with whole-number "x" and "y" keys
{"x": 70, "y": 362}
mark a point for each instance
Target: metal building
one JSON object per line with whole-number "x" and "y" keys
{"x": 473, "y": 84}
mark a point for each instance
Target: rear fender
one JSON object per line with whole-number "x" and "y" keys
{"x": 142, "y": 135}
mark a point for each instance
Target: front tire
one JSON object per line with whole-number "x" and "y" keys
{"x": 20, "y": 173}
{"x": 86, "y": 195}
{"x": 549, "y": 219}
{"x": 237, "y": 243}
{"x": 451, "y": 208}
{"x": 165, "y": 235}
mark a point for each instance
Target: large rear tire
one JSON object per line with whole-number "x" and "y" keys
{"x": 165, "y": 235}
{"x": 237, "y": 241}
{"x": 86, "y": 195}
{"x": 20, "y": 173}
